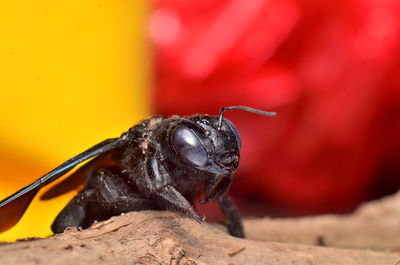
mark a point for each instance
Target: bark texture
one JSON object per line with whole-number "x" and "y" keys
{"x": 375, "y": 225}
{"x": 151, "y": 237}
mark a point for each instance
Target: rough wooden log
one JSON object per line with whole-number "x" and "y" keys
{"x": 375, "y": 225}
{"x": 169, "y": 238}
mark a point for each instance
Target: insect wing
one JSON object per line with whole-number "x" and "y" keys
{"x": 11, "y": 212}
{"x": 80, "y": 176}
{"x": 13, "y": 207}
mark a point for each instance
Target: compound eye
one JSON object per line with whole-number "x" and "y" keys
{"x": 189, "y": 146}
{"x": 235, "y": 132}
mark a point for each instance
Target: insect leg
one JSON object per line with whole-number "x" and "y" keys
{"x": 232, "y": 214}
{"x": 157, "y": 182}
{"x": 175, "y": 201}
{"x": 115, "y": 195}
{"x": 105, "y": 195}
{"x": 74, "y": 214}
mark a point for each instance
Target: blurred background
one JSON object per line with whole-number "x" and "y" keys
{"x": 74, "y": 73}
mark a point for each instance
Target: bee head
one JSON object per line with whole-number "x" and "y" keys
{"x": 211, "y": 144}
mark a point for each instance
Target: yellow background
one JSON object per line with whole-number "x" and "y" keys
{"x": 72, "y": 73}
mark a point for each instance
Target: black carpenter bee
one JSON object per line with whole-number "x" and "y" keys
{"x": 159, "y": 164}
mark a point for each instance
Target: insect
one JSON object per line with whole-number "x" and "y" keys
{"x": 159, "y": 164}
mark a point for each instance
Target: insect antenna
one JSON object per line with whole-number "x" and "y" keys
{"x": 248, "y": 109}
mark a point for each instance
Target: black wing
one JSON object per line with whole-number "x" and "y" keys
{"x": 81, "y": 175}
{"x": 13, "y": 207}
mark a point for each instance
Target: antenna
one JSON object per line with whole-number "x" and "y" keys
{"x": 248, "y": 109}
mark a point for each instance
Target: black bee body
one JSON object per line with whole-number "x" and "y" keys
{"x": 160, "y": 164}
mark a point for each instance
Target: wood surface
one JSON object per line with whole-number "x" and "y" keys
{"x": 370, "y": 236}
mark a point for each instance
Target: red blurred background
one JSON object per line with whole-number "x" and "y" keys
{"x": 329, "y": 68}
